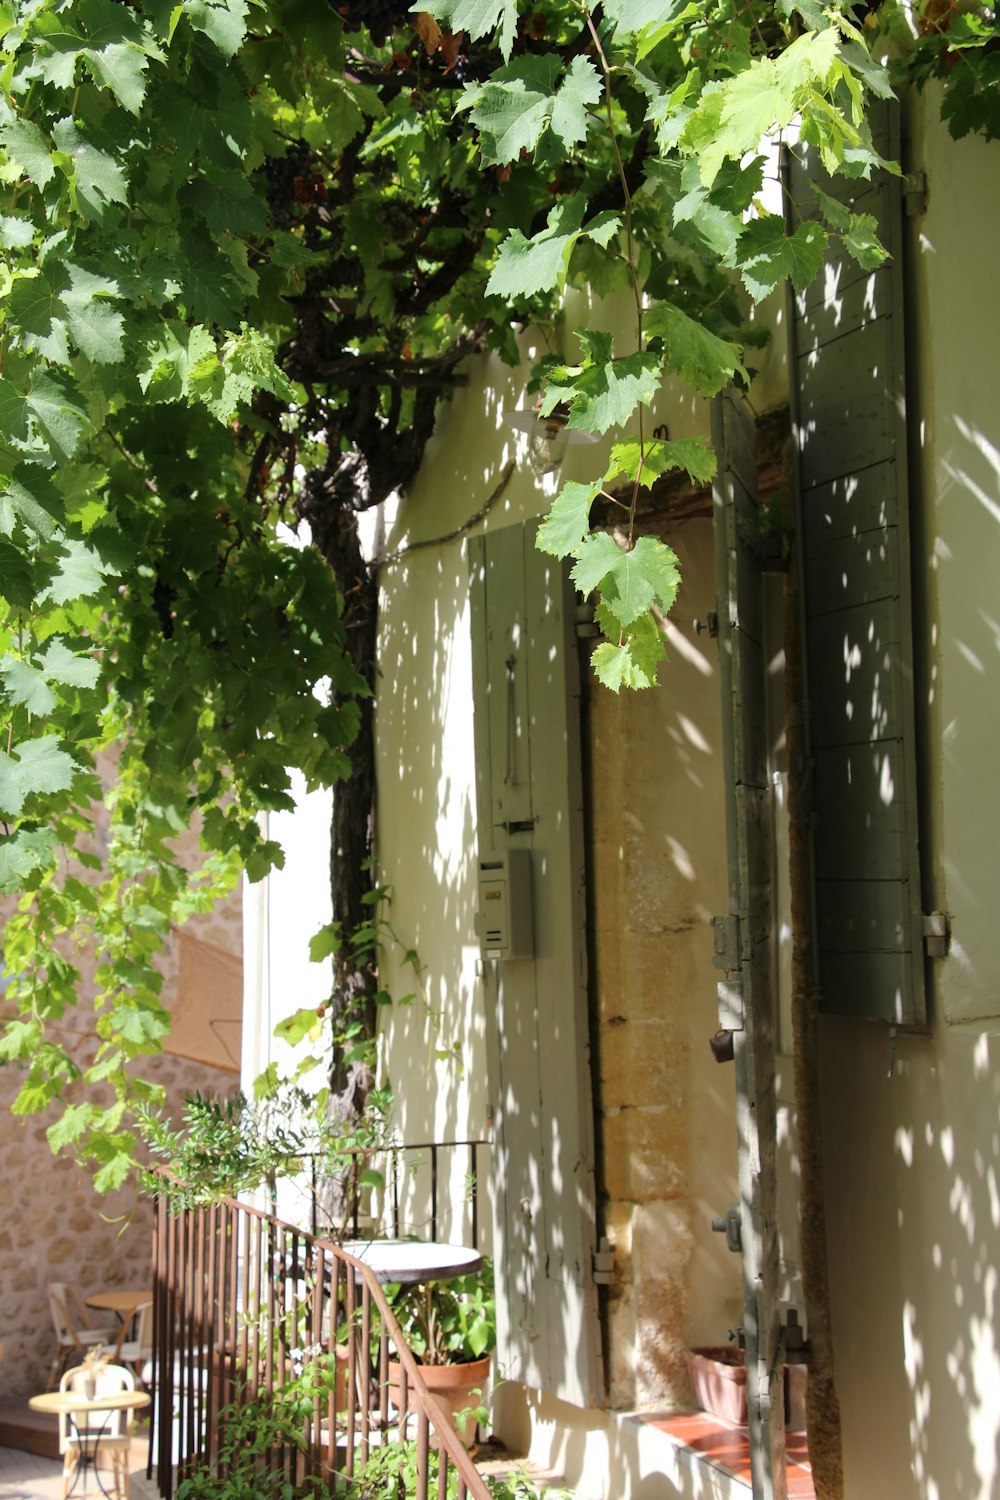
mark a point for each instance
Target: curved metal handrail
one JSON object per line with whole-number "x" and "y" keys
{"x": 243, "y": 1302}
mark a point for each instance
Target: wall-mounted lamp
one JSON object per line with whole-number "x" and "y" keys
{"x": 548, "y": 437}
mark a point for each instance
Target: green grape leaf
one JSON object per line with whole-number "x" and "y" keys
{"x": 96, "y": 329}
{"x": 13, "y": 411}
{"x": 631, "y": 658}
{"x": 525, "y": 267}
{"x": 35, "y": 766}
{"x": 25, "y": 683}
{"x": 295, "y": 1028}
{"x": 208, "y": 288}
{"x": 98, "y": 179}
{"x": 31, "y": 498}
{"x": 631, "y": 17}
{"x": 22, "y": 854}
{"x": 603, "y": 228}
{"x": 630, "y": 581}
{"x": 568, "y": 522}
{"x": 20, "y": 1039}
{"x": 18, "y": 581}
{"x": 325, "y": 942}
{"x": 580, "y": 90}
{"x": 512, "y": 109}
{"x": 766, "y": 254}
{"x": 604, "y": 392}
{"x": 659, "y": 456}
{"x": 34, "y": 302}
{"x": 226, "y": 201}
{"x": 28, "y": 150}
{"x": 692, "y": 351}
{"x": 115, "y": 1173}
{"x": 16, "y": 233}
{"x": 477, "y": 17}
{"x": 59, "y": 413}
{"x": 166, "y": 373}
{"x": 71, "y": 1126}
{"x": 68, "y": 667}
{"x": 142, "y": 1026}
{"x": 837, "y": 215}
{"x": 863, "y": 243}
{"x": 79, "y": 572}
{"x": 222, "y": 21}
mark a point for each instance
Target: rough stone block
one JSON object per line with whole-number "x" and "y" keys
{"x": 645, "y": 1153}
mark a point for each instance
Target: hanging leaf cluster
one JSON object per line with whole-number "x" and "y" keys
{"x": 248, "y": 246}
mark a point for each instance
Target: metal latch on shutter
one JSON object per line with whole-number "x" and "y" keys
{"x": 730, "y": 1225}
{"x": 603, "y": 1262}
{"x": 726, "y": 932}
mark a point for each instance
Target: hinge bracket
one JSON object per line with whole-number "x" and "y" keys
{"x": 603, "y": 1263}
{"x": 915, "y": 193}
{"x": 937, "y": 934}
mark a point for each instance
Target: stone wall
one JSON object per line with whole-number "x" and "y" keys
{"x": 665, "y": 1110}
{"x": 53, "y": 1225}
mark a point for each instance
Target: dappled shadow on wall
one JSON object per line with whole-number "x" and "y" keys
{"x": 950, "y": 1217}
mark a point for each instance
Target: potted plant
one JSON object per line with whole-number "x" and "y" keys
{"x": 450, "y": 1326}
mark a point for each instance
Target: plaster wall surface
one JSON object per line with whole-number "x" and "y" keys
{"x": 912, "y": 1154}
{"x": 658, "y": 863}
{"x": 953, "y": 340}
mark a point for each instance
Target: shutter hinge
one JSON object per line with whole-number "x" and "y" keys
{"x": 603, "y": 1263}
{"x": 915, "y": 193}
{"x": 937, "y": 934}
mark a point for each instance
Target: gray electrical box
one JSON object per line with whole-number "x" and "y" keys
{"x": 504, "y": 919}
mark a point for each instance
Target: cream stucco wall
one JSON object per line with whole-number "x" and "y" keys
{"x": 658, "y": 862}
{"x": 913, "y": 1159}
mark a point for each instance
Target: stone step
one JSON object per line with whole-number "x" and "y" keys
{"x": 30, "y": 1431}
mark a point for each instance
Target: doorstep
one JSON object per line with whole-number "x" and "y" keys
{"x": 708, "y": 1445}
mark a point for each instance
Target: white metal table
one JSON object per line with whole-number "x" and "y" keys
{"x": 409, "y": 1262}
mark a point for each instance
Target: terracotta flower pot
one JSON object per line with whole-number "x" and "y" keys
{"x": 453, "y": 1386}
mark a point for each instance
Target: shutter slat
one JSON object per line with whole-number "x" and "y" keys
{"x": 849, "y": 402}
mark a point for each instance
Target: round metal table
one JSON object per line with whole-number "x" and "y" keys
{"x": 122, "y": 1300}
{"x": 407, "y": 1262}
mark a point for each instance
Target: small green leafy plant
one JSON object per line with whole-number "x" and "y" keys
{"x": 448, "y": 1322}
{"x": 391, "y": 1474}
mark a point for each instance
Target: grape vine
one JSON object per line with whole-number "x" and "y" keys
{"x": 247, "y": 251}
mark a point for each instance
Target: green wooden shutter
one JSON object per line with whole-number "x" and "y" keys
{"x": 849, "y": 419}
{"x": 743, "y": 938}
{"x": 529, "y": 793}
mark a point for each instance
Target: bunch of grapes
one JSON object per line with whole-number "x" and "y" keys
{"x": 380, "y": 18}
{"x": 292, "y": 178}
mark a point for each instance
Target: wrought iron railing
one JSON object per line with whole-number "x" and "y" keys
{"x": 244, "y": 1302}
{"x": 421, "y": 1161}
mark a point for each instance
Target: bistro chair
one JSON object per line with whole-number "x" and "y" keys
{"x": 74, "y": 1332}
{"x": 97, "y": 1434}
{"x": 136, "y": 1352}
